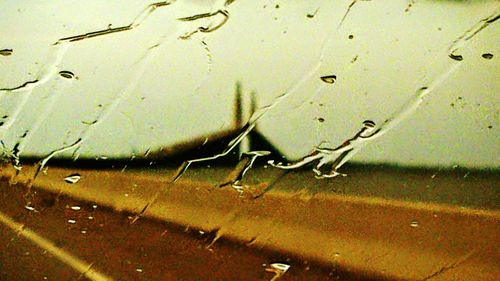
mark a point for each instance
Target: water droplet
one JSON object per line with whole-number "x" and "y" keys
{"x": 138, "y": 269}
{"x": 330, "y": 79}
{"x": 94, "y": 206}
{"x": 351, "y": 36}
{"x": 67, "y": 74}
{"x": 75, "y": 208}
{"x": 337, "y": 254}
{"x": 29, "y": 208}
{"x": 321, "y": 120}
{"x": 90, "y": 217}
{"x": 6, "y": 52}
{"x": 83, "y": 231}
{"x": 72, "y": 221}
{"x": 369, "y": 123}
{"x": 280, "y": 266}
{"x": 414, "y": 224}
{"x": 278, "y": 269}
{"x": 73, "y": 178}
{"x": 487, "y": 56}
{"x": 456, "y": 57}
{"x": 277, "y": 6}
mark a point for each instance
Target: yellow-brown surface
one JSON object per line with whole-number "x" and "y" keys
{"x": 321, "y": 235}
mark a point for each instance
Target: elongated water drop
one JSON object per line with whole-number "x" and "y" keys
{"x": 369, "y": 124}
{"x": 73, "y": 178}
{"x": 278, "y": 269}
{"x": 330, "y": 79}
{"x": 29, "y": 208}
{"x": 280, "y": 266}
{"x": 67, "y": 74}
{"x": 487, "y": 56}
{"x": 456, "y": 57}
{"x": 6, "y": 52}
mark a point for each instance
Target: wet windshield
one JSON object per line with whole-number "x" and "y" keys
{"x": 249, "y": 140}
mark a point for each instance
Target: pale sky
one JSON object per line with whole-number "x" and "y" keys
{"x": 148, "y": 88}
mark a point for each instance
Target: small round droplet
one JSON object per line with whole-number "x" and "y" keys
{"x": 73, "y": 178}
{"x": 72, "y": 221}
{"x": 456, "y": 57}
{"x": 67, "y": 74}
{"x": 321, "y": 120}
{"x": 487, "y": 56}
{"x": 6, "y": 52}
{"x": 414, "y": 224}
{"x": 75, "y": 208}
{"x": 330, "y": 79}
{"x": 138, "y": 269}
{"x": 351, "y": 36}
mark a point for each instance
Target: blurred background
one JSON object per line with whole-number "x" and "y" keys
{"x": 147, "y": 87}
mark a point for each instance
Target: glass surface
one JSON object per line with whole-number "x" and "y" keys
{"x": 109, "y": 107}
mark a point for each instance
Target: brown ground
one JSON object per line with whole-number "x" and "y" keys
{"x": 323, "y": 236}
{"x": 145, "y": 250}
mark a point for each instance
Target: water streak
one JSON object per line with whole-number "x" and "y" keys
{"x": 47, "y": 109}
{"x": 141, "y": 66}
{"x": 471, "y": 32}
{"x": 66, "y": 258}
{"x": 208, "y": 28}
{"x": 258, "y": 114}
{"x": 26, "y": 89}
{"x": 59, "y": 49}
{"x": 41, "y": 164}
{"x": 339, "y": 155}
